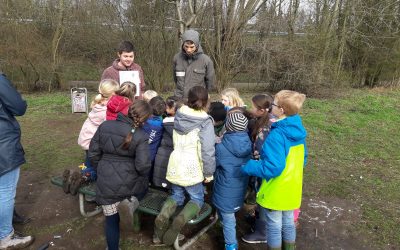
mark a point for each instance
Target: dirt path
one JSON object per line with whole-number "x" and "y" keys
{"x": 323, "y": 224}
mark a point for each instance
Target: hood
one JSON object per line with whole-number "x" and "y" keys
{"x": 98, "y": 114}
{"x": 123, "y": 118}
{"x": 118, "y": 68}
{"x": 194, "y": 36}
{"x": 238, "y": 143}
{"x": 292, "y": 127}
{"x": 118, "y": 103}
{"x": 187, "y": 119}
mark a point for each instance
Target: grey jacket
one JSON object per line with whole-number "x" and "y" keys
{"x": 195, "y": 70}
{"x": 11, "y": 105}
{"x": 186, "y": 120}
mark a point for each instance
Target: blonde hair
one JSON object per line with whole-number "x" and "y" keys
{"x": 290, "y": 101}
{"x": 128, "y": 90}
{"x": 107, "y": 88}
{"x": 149, "y": 94}
{"x": 233, "y": 96}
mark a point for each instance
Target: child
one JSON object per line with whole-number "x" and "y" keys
{"x": 149, "y": 94}
{"x": 166, "y": 146}
{"x": 218, "y": 112}
{"x": 259, "y": 129}
{"x": 281, "y": 163}
{"x": 96, "y": 116}
{"x": 191, "y": 163}
{"x": 154, "y": 128}
{"x": 230, "y": 184}
{"x": 119, "y": 152}
{"x": 230, "y": 98}
{"x": 121, "y": 101}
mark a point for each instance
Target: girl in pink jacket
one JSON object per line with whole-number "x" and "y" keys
{"x": 97, "y": 115}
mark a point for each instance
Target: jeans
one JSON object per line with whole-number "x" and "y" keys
{"x": 280, "y": 226}
{"x": 196, "y": 194}
{"x": 8, "y": 188}
{"x": 228, "y": 221}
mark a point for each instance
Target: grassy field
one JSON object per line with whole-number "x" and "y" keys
{"x": 353, "y": 143}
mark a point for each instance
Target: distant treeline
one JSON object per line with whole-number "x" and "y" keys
{"x": 275, "y": 44}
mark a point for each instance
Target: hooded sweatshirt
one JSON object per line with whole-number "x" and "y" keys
{"x": 193, "y": 70}
{"x": 96, "y": 116}
{"x": 281, "y": 163}
{"x": 230, "y": 183}
{"x": 193, "y": 157}
{"x": 112, "y": 72}
{"x": 115, "y": 105}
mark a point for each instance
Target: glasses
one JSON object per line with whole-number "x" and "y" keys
{"x": 276, "y": 105}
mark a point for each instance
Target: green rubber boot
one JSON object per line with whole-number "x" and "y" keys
{"x": 288, "y": 245}
{"x": 162, "y": 221}
{"x": 190, "y": 211}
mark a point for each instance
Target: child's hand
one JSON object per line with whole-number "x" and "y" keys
{"x": 256, "y": 155}
{"x": 208, "y": 179}
{"x": 218, "y": 139}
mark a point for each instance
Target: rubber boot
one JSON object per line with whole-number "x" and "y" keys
{"x": 66, "y": 184}
{"x": 190, "y": 210}
{"x": 288, "y": 245}
{"x": 162, "y": 221}
{"x": 259, "y": 235}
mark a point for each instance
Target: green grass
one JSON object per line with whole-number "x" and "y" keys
{"x": 353, "y": 143}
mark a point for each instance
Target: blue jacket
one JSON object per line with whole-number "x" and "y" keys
{"x": 284, "y": 134}
{"x": 11, "y": 105}
{"x": 230, "y": 183}
{"x": 283, "y": 157}
{"x": 154, "y": 128}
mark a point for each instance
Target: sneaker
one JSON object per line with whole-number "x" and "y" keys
{"x": 15, "y": 241}
{"x": 76, "y": 182}
{"x": 65, "y": 183}
{"x": 254, "y": 238}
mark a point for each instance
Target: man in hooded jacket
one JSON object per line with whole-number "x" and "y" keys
{"x": 191, "y": 66}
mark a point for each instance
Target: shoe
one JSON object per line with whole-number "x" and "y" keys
{"x": 18, "y": 219}
{"x": 15, "y": 241}
{"x": 190, "y": 211}
{"x": 65, "y": 183}
{"x": 162, "y": 221}
{"x": 231, "y": 247}
{"x": 259, "y": 235}
{"x": 76, "y": 182}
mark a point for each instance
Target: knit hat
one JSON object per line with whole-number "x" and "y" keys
{"x": 236, "y": 121}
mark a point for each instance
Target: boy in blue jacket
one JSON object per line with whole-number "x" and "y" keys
{"x": 230, "y": 183}
{"x": 282, "y": 158}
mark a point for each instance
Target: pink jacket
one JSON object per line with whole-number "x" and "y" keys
{"x": 96, "y": 116}
{"x": 115, "y": 105}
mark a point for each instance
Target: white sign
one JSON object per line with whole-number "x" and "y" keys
{"x": 130, "y": 76}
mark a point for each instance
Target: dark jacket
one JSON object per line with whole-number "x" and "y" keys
{"x": 120, "y": 173}
{"x": 11, "y": 105}
{"x": 230, "y": 183}
{"x": 195, "y": 70}
{"x": 162, "y": 157}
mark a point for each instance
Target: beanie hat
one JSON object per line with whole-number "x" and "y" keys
{"x": 236, "y": 121}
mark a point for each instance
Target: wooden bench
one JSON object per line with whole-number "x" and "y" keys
{"x": 150, "y": 204}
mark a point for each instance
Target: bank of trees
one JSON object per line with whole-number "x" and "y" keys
{"x": 272, "y": 44}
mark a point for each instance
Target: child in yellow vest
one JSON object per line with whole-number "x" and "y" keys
{"x": 281, "y": 163}
{"x": 191, "y": 163}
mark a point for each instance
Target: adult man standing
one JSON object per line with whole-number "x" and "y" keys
{"x": 11, "y": 158}
{"x": 191, "y": 66}
{"x": 125, "y": 62}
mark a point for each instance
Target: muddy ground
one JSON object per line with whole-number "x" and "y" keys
{"x": 324, "y": 223}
